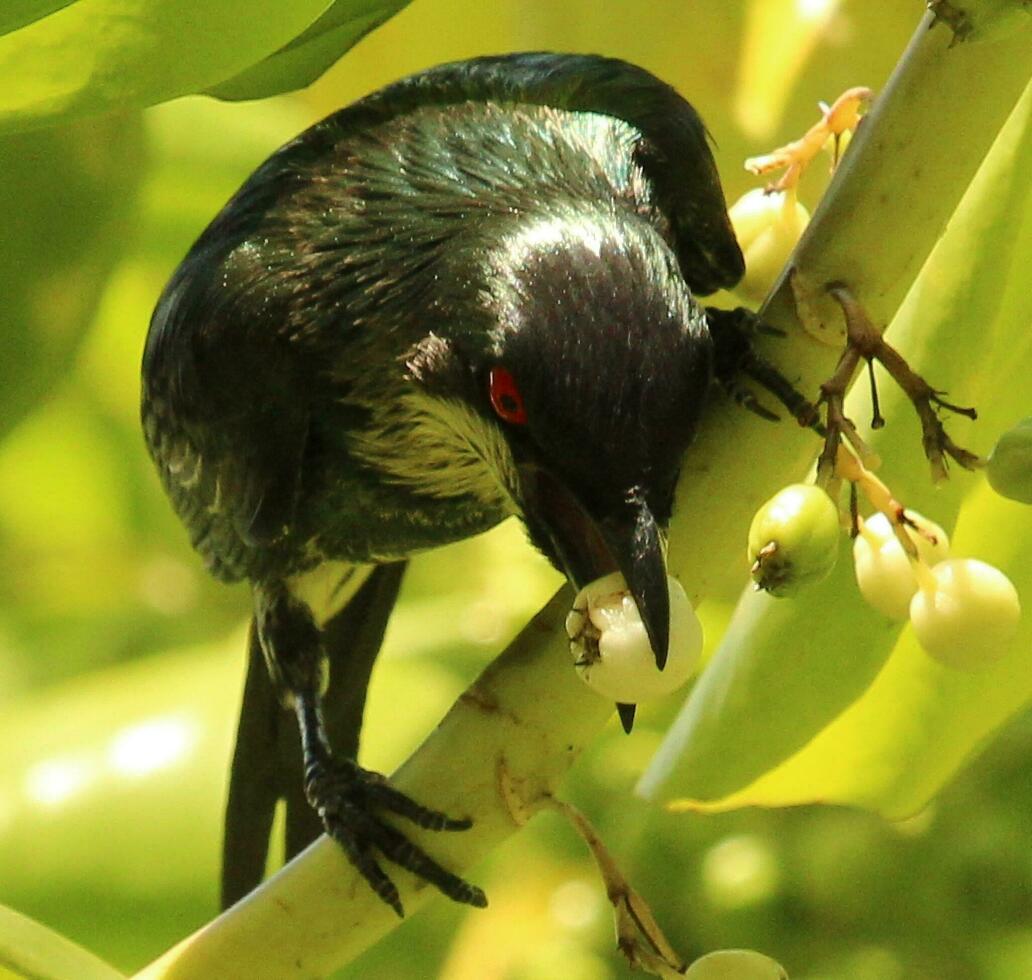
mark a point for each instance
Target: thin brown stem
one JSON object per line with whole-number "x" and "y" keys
{"x": 865, "y": 341}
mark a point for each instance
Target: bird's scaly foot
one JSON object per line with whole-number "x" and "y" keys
{"x": 349, "y": 800}
{"x": 735, "y": 358}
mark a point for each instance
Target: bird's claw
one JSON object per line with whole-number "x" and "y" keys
{"x": 735, "y": 358}
{"x": 349, "y": 800}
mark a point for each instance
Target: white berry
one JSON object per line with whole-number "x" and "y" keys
{"x": 884, "y": 573}
{"x": 735, "y": 964}
{"x": 966, "y": 614}
{"x": 611, "y": 649}
{"x": 767, "y": 227}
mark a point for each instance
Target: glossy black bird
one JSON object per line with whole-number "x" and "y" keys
{"x": 469, "y": 295}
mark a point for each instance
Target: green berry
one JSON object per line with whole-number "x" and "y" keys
{"x": 966, "y": 614}
{"x": 1010, "y": 463}
{"x": 884, "y": 573}
{"x": 793, "y": 540}
{"x": 735, "y": 964}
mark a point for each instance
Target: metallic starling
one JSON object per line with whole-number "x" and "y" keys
{"x": 468, "y": 295}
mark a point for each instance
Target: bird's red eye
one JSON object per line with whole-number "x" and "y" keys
{"x": 506, "y": 399}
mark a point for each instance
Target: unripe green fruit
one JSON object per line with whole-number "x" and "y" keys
{"x": 735, "y": 964}
{"x": 884, "y": 573}
{"x": 966, "y": 615}
{"x": 611, "y": 649}
{"x": 793, "y": 539}
{"x": 767, "y": 227}
{"x": 1010, "y": 463}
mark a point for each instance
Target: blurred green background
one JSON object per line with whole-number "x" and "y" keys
{"x": 121, "y": 662}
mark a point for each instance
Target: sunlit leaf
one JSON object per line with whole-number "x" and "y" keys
{"x": 97, "y": 55}
{"x": 29, "y": 949}
{"x": 18, "y": 13}
{"x": 787, "y": 669}
{"x": 304, "y": 59}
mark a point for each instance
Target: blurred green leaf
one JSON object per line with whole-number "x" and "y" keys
{"x": 33, "y": 951}
{"x": 68, "y": 200}
{"x": 112, "y": 785}
{"x": 98, "y": 55}
{"x": 18, "y": 13}
{"x": 304, "y": 59}
{"x": 788, "y": 669}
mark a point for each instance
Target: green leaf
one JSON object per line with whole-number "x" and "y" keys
{"x": 98, "y": 55}
{"x": 67, "y": 199}
{"x": 311, "y": 53}
{"x": 18, "y": 13}
{"x": 796, "y": 706}
{"x": 29, "y": 949}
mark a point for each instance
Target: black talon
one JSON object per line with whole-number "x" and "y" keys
{"x": 748, "y": 401}
{"x": 399, "y": 849}
{"x": 346, "y": 797}
{"x": 368, "y": 867}
{"x": 422, "y": 816}
{"x": 734, "y": 356}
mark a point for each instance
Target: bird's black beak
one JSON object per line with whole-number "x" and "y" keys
{"x": 629, "y": 541}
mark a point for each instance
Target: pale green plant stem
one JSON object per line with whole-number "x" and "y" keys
{"x": 514, "y": 733}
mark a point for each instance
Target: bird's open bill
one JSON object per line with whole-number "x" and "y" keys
{"x": 629, "y": 540}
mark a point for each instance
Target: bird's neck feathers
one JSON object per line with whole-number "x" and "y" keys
{"x": 440, "y": 446}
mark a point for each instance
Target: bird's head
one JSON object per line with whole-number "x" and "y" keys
{"x": 581, "y": 394}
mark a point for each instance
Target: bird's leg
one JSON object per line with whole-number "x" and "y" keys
{"x": 864, "y": 342}
{"x": 734, "y": 357}
{"x": 348, "y": 798}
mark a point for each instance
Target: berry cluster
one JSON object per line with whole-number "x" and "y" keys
{"x": 964, "y": 612}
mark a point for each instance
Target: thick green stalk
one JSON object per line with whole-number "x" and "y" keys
{"x": 516, "y": 731}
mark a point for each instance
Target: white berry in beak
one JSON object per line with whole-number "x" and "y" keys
{"x": 611, "y": 649}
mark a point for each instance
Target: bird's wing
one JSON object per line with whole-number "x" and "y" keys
{"x": 225, "y": 415}
{"x": 675, "y": 152}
